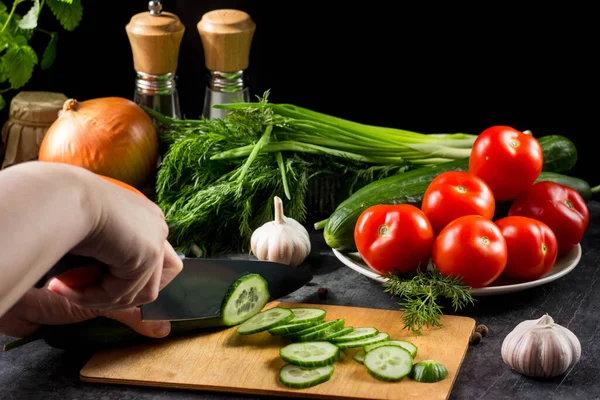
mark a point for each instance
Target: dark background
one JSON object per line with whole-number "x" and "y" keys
{"x": 420, "y": 66}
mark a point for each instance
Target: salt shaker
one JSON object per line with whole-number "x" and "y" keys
{"x": 155, "y": 37}
{"x": 226, "y": 36}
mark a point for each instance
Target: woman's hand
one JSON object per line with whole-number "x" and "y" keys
{"x": 128, "y": 234}
{"x": 43, "y": 307}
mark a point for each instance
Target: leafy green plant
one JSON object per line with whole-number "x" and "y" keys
{"x": 17, "y": 58}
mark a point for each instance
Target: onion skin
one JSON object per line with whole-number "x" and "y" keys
{"x": 111, "y": 136}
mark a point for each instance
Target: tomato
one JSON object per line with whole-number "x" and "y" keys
{"x": 560, "y": 207}
{"x": 82, "y": 276}
{"x": 454, "y": 194}
{"x": 394, "y": 238}
{"x": 122, "y": 184}
{"x": 471, "y": 247}
{"x": 508, "y": 160}
{"x": 532, "y": 247}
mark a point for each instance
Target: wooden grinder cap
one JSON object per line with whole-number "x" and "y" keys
{"x": 155, "y": 38}
{"x": 226, "y": 37}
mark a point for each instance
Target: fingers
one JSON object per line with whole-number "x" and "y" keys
{"x": 41, "y": 307}
{"x": 132, "y": 317}
{"x": 118, "y": 293}
{"x": 172, "y": 265}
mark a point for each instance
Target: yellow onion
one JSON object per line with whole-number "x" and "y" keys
{"x": 110, "y": 136}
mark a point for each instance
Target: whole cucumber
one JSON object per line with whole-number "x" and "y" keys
{"x": 409, "y": 188}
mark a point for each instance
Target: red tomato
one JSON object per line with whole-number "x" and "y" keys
{"x": 454, "y": 194}
{"x": 82, "y": 276}
{"x": 394, "y": 238}
{"x": 532, "y": 247}
{"x": 472, "y": 248}
{"x": 508, "y": 160}
{"x": 560, "y": 207}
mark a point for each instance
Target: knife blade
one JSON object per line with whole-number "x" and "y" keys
{"x": 199, "y": 289}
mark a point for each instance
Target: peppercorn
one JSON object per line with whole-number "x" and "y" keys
{"x": 482, "y": 329}
{"x": 475, "y": 338}
{"x": 322, "y": 293}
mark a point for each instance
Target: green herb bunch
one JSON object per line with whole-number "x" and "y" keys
{"x": 421, "y": 293}
{"x": 17, "y": 58}
{"x": 214, "y": 205}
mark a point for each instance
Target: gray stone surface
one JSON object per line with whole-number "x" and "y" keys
{"x": 37, "y": 371}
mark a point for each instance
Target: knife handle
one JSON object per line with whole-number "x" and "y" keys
{"x": 91, "y": 270}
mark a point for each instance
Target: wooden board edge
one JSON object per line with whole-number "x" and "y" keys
{"x": 208, "y": 388}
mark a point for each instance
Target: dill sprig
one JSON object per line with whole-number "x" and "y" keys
{"x": 420, "y": 294}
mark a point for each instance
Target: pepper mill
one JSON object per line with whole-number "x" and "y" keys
{"x": 226, "y": 36}
{"x": 155, "y": 37}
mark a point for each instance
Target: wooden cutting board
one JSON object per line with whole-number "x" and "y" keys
{"x": 227, "y": 362}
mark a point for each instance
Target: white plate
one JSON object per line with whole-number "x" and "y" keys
{"x": 563, "y": 266}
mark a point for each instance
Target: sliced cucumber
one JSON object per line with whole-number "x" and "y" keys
{"x": 380, "y": 337}
{"x": 388, "y": 363}
{"x": 412, "y": 349}
{"x": 310, "y": 354}
{"x": 265, "y": 320}
{"x": 359, "y": 356}
{"x": 320, "y": 334}
{"x": 298, "y": 377}
{"x": 319, "y": 326}
{"x": 356, "y": 334}
{"x": 245, "y": 298}
{"x": 306, "y": 314}
{"x": 343, "y": 331}
{"x": 428, "y": 371}
{"x": 289, "y": 328}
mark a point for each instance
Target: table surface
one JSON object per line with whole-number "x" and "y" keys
{"x": 36, "y": 371}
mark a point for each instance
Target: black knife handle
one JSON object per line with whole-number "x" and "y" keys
{"x": 68, "y": 262}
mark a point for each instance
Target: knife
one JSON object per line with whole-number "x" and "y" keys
{"x": 198, "y": 291}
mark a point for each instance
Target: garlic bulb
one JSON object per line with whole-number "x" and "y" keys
{"x": 283, "y": 240}
{"x": 541, "y": 348}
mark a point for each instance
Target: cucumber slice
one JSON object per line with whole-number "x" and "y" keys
{"x": 320, "y": 334}
{"x": 245, "y": 298}
{"x": 356, "y": 334}
{"x": 428, "y": 371}
{"x": 343, "y": 331}
{"x": 289, "y": 328}
{"x": 298, "y": 377}
{"x": 359, "y": 356}
{"x": 380, "y": 337}
{"x": 310, "y": 354}
{"x": 306, "y": 314}
{"x": 412, "y": 349}
{"x": 265, "y": 320}
{"x": 319, "y": 326}
{"x": 388, "y": 363}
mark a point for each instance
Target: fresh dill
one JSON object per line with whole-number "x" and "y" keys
{"x": 420, "y": 294}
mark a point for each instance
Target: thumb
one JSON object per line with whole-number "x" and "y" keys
{"x": 132, "y": 317}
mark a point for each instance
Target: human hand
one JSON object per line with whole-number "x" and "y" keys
{"x": 128, "y": 234}
{"x": 43, "y": 307}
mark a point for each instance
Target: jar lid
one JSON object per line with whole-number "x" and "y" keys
{"x": 36, "y": 107}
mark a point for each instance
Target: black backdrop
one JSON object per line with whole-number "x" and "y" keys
{"x": 421, "y": 66}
